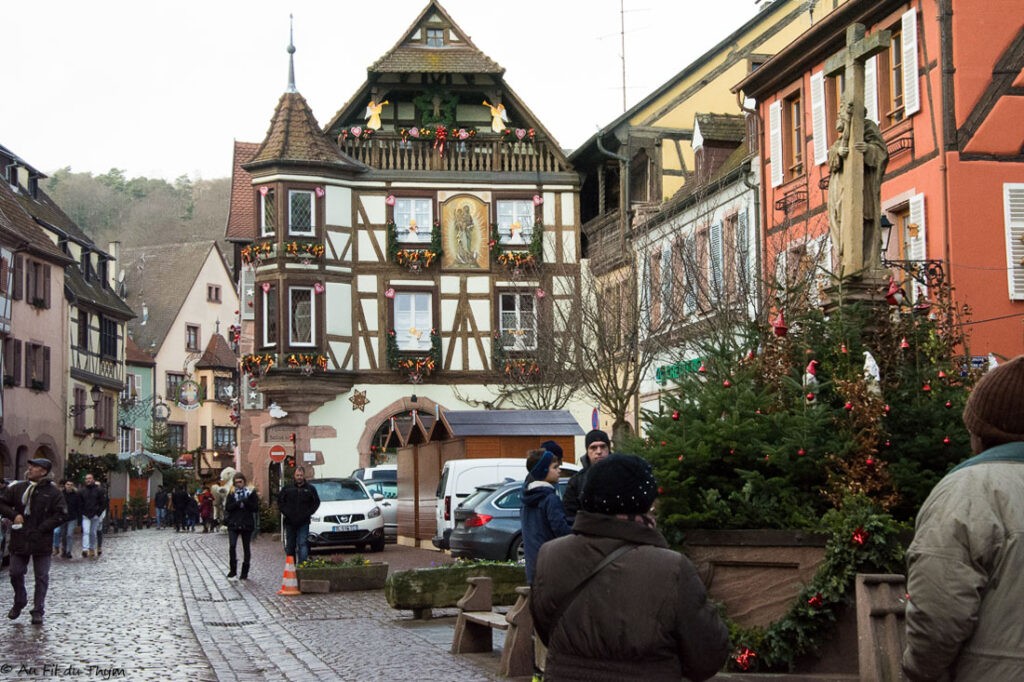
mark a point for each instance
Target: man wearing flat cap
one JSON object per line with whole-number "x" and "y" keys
{"x": 612, "y": 601}
{"x": 965, "y": 566}
{"x": 35, "y": 507}
{"x": 598, "y": 447}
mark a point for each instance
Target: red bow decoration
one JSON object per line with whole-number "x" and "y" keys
{"x": 860, "y": 536}
{"x": 744, "y": 659}
{"x": 816, "y": 601}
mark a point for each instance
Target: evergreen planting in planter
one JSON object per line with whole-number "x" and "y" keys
{"x": 347, "y": 575}
{"x": 439, "y": 587}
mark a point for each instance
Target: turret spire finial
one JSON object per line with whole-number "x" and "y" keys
{"x": 291, "y": 54}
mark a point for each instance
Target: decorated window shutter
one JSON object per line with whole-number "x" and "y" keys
{"x": 689, "y": 265}
{"x": 775, "y": 140}
{"x": 715, "y": 243}
{"x": 917, "y": 245}
{"x": 871, "y": 88}
{"x": 1013, "y": 201}
{"x": 248, "y": 278}
{"x": 911, "y": 87}
{"x": 19, "y": 277}
{"x": 818, "y": 123}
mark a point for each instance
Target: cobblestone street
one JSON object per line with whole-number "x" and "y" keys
{"x": 156, "y": 606}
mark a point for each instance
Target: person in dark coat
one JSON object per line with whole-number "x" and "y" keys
{"x": 643, "y": 615}
{"x": 179, "y": 500}
{"x": 297, "y": 502}
{"x": 160, "y": 502}
{"x": 73, "y": 501}
{"x": 239, "y": 516}
{"x": 598, "y": 447}
{"x": 543, "y": 516}
{"x": 35, "y": 507}
{"x": 94, "y": 507}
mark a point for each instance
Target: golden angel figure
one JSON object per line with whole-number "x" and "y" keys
{"x": 373, "y": 110}
{"x": 498, "y": 116}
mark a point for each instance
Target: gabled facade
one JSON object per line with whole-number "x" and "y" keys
{"x": 33, "y": 325}
{"x": 954, "y": 183}
{"x": 395, "y": 251}
{"x": 186, "y": 302}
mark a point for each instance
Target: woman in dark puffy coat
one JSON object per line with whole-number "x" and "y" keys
{"x": 240, "y": 509}
{"x": 643, "y": 614}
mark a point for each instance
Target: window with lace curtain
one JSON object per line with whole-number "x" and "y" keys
{"x": 301, "y": 317}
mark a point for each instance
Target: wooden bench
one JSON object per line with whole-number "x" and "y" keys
{"x": 477, "y": 619}
{"x": 881, "y": 602}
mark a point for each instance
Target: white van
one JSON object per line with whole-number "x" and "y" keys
{"x": 460, "y": 477}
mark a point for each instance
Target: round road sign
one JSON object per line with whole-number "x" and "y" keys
{"x": 277, "y": 454}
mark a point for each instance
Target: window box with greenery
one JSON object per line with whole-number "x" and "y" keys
{"x": 257, "y": 364}
{"x": 343, "y": 574}
{"x": 408, "y": 255}
{"x": 416, "y": 365}
{"x": 513, "y": 251}
{"x": 514, "y": 366}
{"x": 257, "y": 252}
{"x": 306, "y": 362}
{"x": 304, "y": 250}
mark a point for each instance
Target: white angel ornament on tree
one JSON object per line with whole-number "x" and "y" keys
{"x": 872, "y": 377}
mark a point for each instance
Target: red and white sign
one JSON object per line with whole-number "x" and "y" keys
{"x": 277, "y": 454}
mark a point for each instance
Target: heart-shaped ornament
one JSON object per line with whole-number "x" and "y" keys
{"x": 414, "y": 132}
{"x": 357, "y": 130}
{"x": 537, "y": 200}
{"x": 520, "y": 133}
{"x": 266, "y": 287}
{"x": 390, "y": 200}
{"x": 264, "y": 190}
{"x": 541, "y": 293}
{"x": 389, "y": 293}
{"x": 318, "y": 288}
{"x": 463, "y": 134}
{"x": 319, "y": 192}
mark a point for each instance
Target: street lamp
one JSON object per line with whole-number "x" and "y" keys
{"x": 95, "y": 393}
{"x": 928, "y": 272}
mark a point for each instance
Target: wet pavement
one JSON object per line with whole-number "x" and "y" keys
{"x": 157, "y": 606}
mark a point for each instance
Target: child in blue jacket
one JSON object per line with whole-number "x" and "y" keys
{"x": 543, "y": 516}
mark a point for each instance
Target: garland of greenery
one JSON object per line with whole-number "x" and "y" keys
{"x": 861, "y": 540}
{"x": 534, "y": 250}
{"x": 436, "y": 248}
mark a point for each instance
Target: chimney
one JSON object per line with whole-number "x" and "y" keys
{"x": 114, "y": 269}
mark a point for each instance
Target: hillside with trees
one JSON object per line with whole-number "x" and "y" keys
{"x": 142, "y": 211}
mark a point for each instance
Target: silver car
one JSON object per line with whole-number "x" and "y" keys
{"x": 388, "y": 505}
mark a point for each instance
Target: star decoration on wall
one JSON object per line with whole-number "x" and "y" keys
{"x": 359, "y": 401}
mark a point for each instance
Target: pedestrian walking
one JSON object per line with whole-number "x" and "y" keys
{"x": 598, "y": 447}
{"x": 966, "y": 562}
{"x": 94, "y": 504}
{"x": 66, "y": 531}
{"x": 179, "y": 501}
{"x": 239, "y": 510}
{"x": 612, "y": 601}
{"x": 160, "y": 502}
{"x": 206, "y": 509}
{"x": 297, "y": 501}
{"x": 35, "y": 507}
{"x": 191, "y": 513}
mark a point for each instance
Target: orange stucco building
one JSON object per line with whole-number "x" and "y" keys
{"x": 947, "y": 93}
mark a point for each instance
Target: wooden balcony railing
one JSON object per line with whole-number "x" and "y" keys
{"x": 385, "y": 152}
{"x": 98, "y": 366}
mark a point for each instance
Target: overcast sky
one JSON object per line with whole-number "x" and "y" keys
{"x": 162, "y": 88}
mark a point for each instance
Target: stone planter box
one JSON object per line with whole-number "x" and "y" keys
{"x": 346, "y": 578}
{"x": 423, "y": 589}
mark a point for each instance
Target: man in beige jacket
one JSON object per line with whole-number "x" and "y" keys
{"x": 965, "y": 575}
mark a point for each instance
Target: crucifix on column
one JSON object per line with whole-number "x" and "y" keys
{"x": 854, "y": 201}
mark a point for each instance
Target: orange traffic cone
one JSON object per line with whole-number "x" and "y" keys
{"x": 289, "y": 584}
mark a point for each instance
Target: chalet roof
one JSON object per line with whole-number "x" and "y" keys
{"x": 94, "y": 293}
{"x": 218, "y": 355}
{"x": 242, "y": 206}
{"x": 160, "y": 278}
{"x": 18, "y": 228}
{"x": 294, "y": 138}
{"x": 589, "y": 147}
{"x": 512, "y": 423}
{"x": 722, "y": 127}
{"x": 133, "y": 355}
{"x": 411, "y": 55}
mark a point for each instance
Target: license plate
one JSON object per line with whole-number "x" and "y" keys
{"x": 345, "y": 528}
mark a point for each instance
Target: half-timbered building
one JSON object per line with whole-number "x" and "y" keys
{"x": 407, "y": 257}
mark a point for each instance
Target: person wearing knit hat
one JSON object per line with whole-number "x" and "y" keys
{"x": 965, "y": 563}
{"x": 543, "y": 516}
{"x": 35, "y": 507}
{"x": 598, "y": 447}
{"x": 554, "y": 448}
{"x": 612, "y": 601}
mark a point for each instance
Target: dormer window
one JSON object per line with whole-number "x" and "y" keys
{"x": 435, "y": 37}
{"x": 12, "y": 174}
{"x": 86, "y": 263}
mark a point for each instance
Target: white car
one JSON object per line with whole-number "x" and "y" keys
{"x": 348, "y": 516}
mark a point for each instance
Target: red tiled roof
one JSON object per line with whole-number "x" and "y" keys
{"x": 133, "y": 355}
{"x": 20, "y": 228}
{"x": 242, "y": 206}
{"x": 294, "y": 137}
{"x": 218, "y": 355}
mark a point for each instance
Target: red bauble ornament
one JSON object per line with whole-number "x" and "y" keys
{"x": 675, "y": 415}
{"x": 731, "y": 451}
{"x": 888, "y": 444}
{"x": 860, "y": 536}
{"x": 663, "y": 443}
{"x": 904, "y": 344}
{"x": 680, "y": 458}
{"x": 949, "y": 404}
{"x": 887, "y": 408}
{"x": 870, "y": 462}
{"x": 726, "y": 383}
{"x": 810, "y": 397}
{"x": 927, "y": 387}
{"x": 942, "y": 375}
{"x": 816, "y": 601}
{"x": 946, "y": 440}
{"x": 842, "y": 348}
{"x": 661, "y": 491}
{"x": 799, "y": 453}
{"x": 702, "y": 369}
{"x": 848, "y": 406}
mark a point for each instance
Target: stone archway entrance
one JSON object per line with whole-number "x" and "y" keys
{"x": 398, "y": 409}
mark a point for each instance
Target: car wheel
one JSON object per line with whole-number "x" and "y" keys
{"x": 516, "y": 551}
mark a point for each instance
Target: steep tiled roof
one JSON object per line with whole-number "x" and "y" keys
{"x": 218, "y": 355}
{"x": 44, "y": 209}
{"x": 20, "y": 230}
{"x": 133, "y": 355}
{"x": 411, "y": 55}
{"x": 94, "y": 293}
{"x": 160, "y": 277}
{"x": 295, "y": 138}
{"x": 722, "y": 127}
{"x": 242, "y": 208}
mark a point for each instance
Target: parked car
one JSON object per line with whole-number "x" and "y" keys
{"x": 459, "y": 478}
{"x": 383, "y": 472}
{"x": 389, "y": 505}
{"x": 488, "y": 524}
{"x": 348, "y": 515}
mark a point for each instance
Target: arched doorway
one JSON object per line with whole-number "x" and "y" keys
{"x": 371, "y": 450}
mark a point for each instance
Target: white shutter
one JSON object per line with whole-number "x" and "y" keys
{"x": 911, "y": 89}
{"x": 1013, "y": 202}
{"x": 818, "y": 125}
{"x": 690, "y": 260}
{"x": 715, "y": 244}
{"x": 917, "y": 247}
{"x": 248, "y": 284}
{"x": 775, "y": 140}
{"x": 742, "y": 247}
{"x": 871, "y": 88}
{"x": 645, "y": 295}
